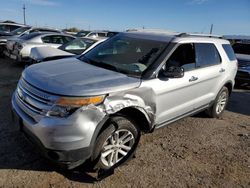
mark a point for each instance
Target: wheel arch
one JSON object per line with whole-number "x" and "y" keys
{"x": 134, "y": 114}
{"x": 229, "y": 86}
{"x": 138, "y": 116}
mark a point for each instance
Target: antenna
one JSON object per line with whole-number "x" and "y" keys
{"x": 24, "y": 14}
{"x": 211, "y": 29}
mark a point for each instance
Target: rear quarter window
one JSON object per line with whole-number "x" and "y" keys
{"x": 229, "y": 51}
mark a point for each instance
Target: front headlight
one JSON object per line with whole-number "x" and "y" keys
{"x": 65, "y": 106}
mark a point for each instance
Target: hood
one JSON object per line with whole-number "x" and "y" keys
{"x": 41, "y": 53}
{"x": 243, "y": 57}
{"x": 72, "y": 77}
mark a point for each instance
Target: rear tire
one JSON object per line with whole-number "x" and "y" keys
{"x": 116, "y": 144}
{"x": 219, "y": 105}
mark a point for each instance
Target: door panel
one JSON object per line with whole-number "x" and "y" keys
{"x": 173, "y": 97}
{"x": 208, "y": 79}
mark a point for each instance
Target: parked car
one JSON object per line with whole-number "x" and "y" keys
{"x": 12, "y": 36}
{"x": 23, "y": 45}
{"x": 7, "y": 27}
{"x": 242, "y": 51}
{"x": 73, "y": 48}
{"x": 5, "y": 31}
{"x": 101, "y": 34}
{"x": 82, "y": 33}
{"x": 95, "y": 107}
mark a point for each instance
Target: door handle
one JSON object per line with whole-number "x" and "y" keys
{"x": 222, "y": 70}
{"x": 193, "y": 78}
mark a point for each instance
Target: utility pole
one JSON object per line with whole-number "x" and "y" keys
{"x": 24, "y": 14}
{"x": 211, "y": 29}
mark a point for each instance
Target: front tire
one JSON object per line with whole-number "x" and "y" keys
{"x": 116, "y": 144}
{"x": 220, "y": 103}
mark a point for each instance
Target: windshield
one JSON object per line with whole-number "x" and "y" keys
{"x": 19, "y": 31}
{"x": 131, "y": 56}
{"x": 77, "y": 46}
{"x": 240, "y": 48}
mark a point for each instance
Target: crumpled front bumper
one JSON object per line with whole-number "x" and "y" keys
{"x": 66, "y": 141}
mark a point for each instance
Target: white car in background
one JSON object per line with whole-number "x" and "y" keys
{"x": 73, "y": 48}
{"x": 23, "y": 45}
{"x": 12, "y": 36}
{"x": 101, "y": 34}
{"x": 7, "y": 27}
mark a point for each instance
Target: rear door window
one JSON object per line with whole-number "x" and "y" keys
{"x": 229, "y": 51}
{"x": 206, "y": 55}
{"x": 53, "y": 39}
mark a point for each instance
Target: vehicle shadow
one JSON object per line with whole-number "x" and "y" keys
{"x": 18, "y": 153}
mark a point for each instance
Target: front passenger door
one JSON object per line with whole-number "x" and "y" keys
{"x": 175, "y": 96}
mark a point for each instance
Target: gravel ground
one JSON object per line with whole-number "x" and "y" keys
{"x": 193, "y": 152}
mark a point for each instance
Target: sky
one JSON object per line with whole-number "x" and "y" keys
{"x": 227, "y": 16}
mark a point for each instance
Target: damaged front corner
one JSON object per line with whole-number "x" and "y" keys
{"x": 141, "y": 99}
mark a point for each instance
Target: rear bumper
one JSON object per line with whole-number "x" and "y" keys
{"x": 16, "y": 56}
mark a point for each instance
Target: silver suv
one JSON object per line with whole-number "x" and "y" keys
{"x": 95, "y": 107}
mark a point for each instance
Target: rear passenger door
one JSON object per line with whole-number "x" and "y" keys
{"x": 207, "y": 74}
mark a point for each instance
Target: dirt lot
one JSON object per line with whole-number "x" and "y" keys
{"x": 194, "y": 152}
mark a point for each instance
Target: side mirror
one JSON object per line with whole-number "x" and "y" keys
{"x": 173, "y": 72}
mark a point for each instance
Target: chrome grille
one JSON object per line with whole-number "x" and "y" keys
{"x": 32, "y": 101}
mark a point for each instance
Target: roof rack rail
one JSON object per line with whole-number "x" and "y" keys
{"x": 199, "y": 35}
{"x": 153, "y": 31}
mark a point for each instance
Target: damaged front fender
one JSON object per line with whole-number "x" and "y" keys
{"x": 141, "y": 99}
